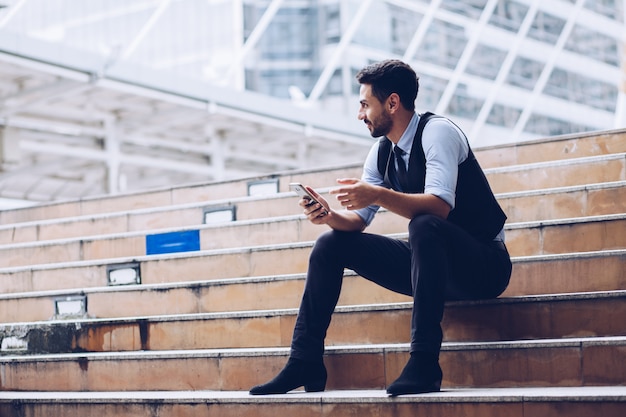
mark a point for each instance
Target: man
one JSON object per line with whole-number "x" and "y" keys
{"x": 455, "y": 249}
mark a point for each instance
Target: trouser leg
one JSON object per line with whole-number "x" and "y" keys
{"x": 372, "y": 256}
{"x": 448, "y": 264}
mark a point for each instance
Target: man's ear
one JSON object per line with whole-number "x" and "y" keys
{"x": 393, "y": 102}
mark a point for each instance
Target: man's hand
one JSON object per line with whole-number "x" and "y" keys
{"x": 317, "y": 213}
{"x": 321, "y": 213}
{"x": 355, "y": 194}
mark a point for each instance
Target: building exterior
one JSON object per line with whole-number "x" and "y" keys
{"x": 511, "y": 69}
{"x": 112, "y": 96}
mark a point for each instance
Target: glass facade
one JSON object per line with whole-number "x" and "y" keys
{"x": 535, "y": 51}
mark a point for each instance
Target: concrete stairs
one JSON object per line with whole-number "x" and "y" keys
{"x": 191, "y": 331}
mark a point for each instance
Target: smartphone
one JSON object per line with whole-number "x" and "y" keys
{"x": 302, "y": 192}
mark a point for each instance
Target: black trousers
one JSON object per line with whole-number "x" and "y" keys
{"x": 439, "y": 262}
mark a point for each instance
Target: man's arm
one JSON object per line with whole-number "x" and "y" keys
{"x": 355, "y": 194}
{"x": 411, "y": 205}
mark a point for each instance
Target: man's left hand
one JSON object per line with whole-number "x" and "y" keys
{"x": 355, "y": 194}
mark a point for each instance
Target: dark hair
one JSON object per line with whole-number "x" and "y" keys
{"x": 391, "y": 76}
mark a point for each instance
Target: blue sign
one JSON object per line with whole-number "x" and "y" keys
{"x": 186, "y": 241}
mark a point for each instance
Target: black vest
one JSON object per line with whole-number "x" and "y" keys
{"x": 476, "y": 209}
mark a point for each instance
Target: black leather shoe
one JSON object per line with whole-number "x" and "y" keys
{"x": 421, "y": 374}
{"x": 295, "y": 374}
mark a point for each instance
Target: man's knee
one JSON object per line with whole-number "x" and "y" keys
{"x": 331, "y": 242}
{"x": 323, "y": 242}
{"x": 425, "y": 226}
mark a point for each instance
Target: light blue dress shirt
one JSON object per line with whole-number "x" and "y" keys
{"x": 445, "y": 148}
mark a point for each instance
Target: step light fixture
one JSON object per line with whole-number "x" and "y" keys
{"x": 70, "y": 307}
{"x": 219, "y": 214}
{"x": 124, "y": 274}
{"x": 13, "y": 344}
{"x": 263, "y": 187}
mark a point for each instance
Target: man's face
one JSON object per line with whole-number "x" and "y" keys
{"x": 373, "y": 113}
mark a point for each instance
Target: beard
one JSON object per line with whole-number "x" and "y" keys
{"x": 380, "y": 126}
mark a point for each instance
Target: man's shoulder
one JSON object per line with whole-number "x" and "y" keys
{"x": 441, "y": 135}
{"x": 440, "y": 122}
{"x": 442, "y": 127}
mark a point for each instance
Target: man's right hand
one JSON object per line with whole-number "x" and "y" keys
{"x": 316, "y": 212}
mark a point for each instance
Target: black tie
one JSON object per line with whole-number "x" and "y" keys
{"x": 402, "y": 175}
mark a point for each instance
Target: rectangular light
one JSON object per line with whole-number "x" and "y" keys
{"x": 70, "y": 307}
{"x": 124, "y": 274}
{"x": 263, "y": 187}
{"x": 223, "y": 214}
{"x": 13, "y": 344}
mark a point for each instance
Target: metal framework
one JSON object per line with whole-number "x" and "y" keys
{"x": 117, "y": 96}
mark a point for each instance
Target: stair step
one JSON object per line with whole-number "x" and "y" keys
{"x": 553, "y": 149}
{"x": 566, "y": 315}
{"x": 235, "y": 294}
{"x": 595, "y": 169}
{"x": 583, "y": 234}
{"x": 521, "y": 206}
{"x": 152, "y": 218}
{"x": 564, "y": 202}
{"x": 523, "y": 239}
{"x": 569, "y": 273}
{"x": 279, "y": 292}
{"x": 473, "y": 402}
{"x": 563, "y": 273}
{"x": 567, "y": 362}
{"x": 272, "y": 260}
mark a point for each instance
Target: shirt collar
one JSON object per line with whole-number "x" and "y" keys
{"x": 406, "y": 140}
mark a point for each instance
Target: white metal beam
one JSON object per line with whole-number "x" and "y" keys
{"x": 154, "y": 18}
{"x": 53, "y": 126}
{"x": 11, "y": 13}
{"x": 101, "y": 156}
{"x": 547, "y": 69}
{"x": 112, "y": 149}
{"x": 29, "y": 98}
{"x": 464, "y": 60}
{"x": 253, "y": 39}
{"x": 338, "y": 53}
{"x": 420, "y": 33}
{"x": 496, "y": 88}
